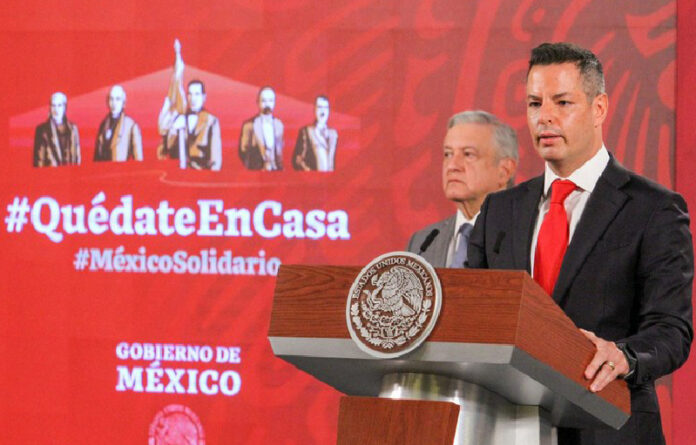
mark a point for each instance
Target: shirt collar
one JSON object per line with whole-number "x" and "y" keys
{"x": 462, "y": 219}
{"x": 586, "y": 176}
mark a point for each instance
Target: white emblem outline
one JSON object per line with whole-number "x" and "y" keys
{"x": 419, "y": 337}
{"x": 161, "y": 417}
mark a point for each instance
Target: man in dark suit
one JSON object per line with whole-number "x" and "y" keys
{"x": 612, "y": 248}
{"x": 480, "y": 157}
{"x": 315, "y": 148}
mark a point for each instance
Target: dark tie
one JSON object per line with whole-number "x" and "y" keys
{"x": 553, "y": 237}
{"x": 460, "y": 255}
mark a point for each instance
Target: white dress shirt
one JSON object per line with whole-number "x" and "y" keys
{"x": 268, "y": 131}
{"x": 585, "y": 178}
{"x": 322, "y": 144}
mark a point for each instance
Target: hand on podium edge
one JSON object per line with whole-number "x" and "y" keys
{"x": 608, "y": 363}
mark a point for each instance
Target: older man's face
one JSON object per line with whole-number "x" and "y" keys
{"x": 470, "y": 167}
{"x": 266, "y": 101}
{"x": 321, "y": 111}
{"x": 58, "y": 104}
{"x": 117, "y": 100}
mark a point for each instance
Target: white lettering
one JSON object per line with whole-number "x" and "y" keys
{"x": 121, "y": 219}
{"x": 205, "y": 386}
{"x": 260, "y": 218}
{"x": 236, "y": 383}
{"x": 129, "y": 380}
{"x": 267, "y": 220}
{"x": 207, "y": 217}
{"x": 315, "y": 223}
{"x": 54, "y": 218}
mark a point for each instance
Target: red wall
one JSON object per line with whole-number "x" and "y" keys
{"x": 684, "y": 388}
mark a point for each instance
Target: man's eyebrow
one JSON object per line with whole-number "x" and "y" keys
{"x": 555, "y": 96}
{"x": 463, "y": 147}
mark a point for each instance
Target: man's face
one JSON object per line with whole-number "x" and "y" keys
{"x": 469, "y": 168}
{"x": 321, "y": 111}
{"x": 564, "y": 124}
{"x": 196, "y": 97}
{"x": 117, "y": 99}
{"x": 58, "y": 109}
{"x": 267, "y": 101}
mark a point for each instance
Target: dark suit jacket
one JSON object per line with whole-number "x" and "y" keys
{"x": 436, "y": 252}
{"x": 626, "y": 276}
{"x": 305, "y": 156}
{"x": 47, "y": 149}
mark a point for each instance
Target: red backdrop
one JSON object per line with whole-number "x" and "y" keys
{"x": 684, "y": 408}
{"x": 394, "y": 72}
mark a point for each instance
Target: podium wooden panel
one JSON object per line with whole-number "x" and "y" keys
{"x": 497, "y": 329}
{"x": 374, "y": 421}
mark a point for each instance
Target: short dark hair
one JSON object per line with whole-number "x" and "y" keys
{"x": 561, "y": 52}
{"x": 196, "y": 82}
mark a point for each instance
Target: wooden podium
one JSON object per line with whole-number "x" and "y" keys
{"x": 498, "y": 337}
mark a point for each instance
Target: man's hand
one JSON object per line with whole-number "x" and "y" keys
{"x": 608, "y": 363}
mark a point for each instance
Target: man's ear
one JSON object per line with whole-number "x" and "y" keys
{"x": 600, "y": 108}
{"x": 507, "y": 167}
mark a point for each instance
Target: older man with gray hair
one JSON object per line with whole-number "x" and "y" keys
{"x": 57, "y": 141}
{"x": 479, "y": 157}
{"x": 119, "y": 136}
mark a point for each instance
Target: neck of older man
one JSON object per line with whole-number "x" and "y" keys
{"x": 470, "y": 207}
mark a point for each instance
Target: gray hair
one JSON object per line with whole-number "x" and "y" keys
{"x": 59, "y": 95}
{"x": 504, "y": 135}
{"x": 118, "y": 88}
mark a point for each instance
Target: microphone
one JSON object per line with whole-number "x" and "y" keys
{"x": 428, "y": 240}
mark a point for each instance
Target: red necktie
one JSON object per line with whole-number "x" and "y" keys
{"x": 553, "y": 237}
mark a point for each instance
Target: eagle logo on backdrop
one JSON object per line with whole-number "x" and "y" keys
{"x": 176, "y": 425}
{"x": 393, "y": 304}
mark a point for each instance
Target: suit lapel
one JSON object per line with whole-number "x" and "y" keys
{"x": 116, "y": 138}
{"x": 604, "y": 203}
{"x": 313, "y": 143}
{"x": 55, "y": 143}
{"x": 442, "y": 242}
{"x": 202, "y": 123}
{"x": 524, "y": 212}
